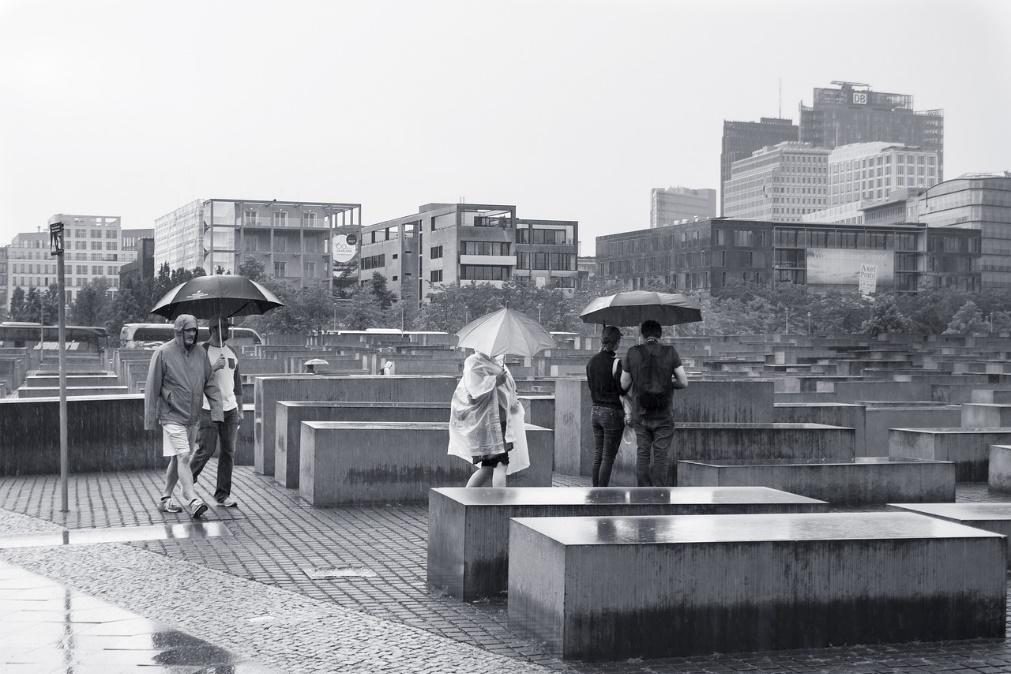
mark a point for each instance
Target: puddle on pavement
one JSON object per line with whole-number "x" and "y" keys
{"x": 346, "y": 572}
{"x": 48, "y": 627}
{"x": 157, "y": 532}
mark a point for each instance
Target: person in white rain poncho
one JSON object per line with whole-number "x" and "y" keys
{"x": 486, "y": 425}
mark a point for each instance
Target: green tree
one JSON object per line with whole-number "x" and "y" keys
{"x": 18, "y": 307}
{"x": 252, "y": 269}
{"x": 92, "y": 305}
{"x": 33, "y": 306}
{"x": 968, "y": 320}
{"x": 887, "y": 318}
{"x": 383, "y": 295}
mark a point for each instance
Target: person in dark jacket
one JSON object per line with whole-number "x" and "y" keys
{"x": 603, "y": 373}
{"x": 177, "y": 380}
{"x": 220, "y": 434}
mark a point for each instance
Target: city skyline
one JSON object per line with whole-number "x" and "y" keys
{"x": 131, "y": 109}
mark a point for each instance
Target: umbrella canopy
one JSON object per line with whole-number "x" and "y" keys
{"x": 635, "y": 306}
{"x": 217, "y": 296}
{"x": 505, "y": 331}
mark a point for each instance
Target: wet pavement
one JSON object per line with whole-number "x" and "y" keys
{"x": 287, "y": 587}
{"x": 47, "y": 627}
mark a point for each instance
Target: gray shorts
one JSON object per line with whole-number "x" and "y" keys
{"x": 177, "y": 439}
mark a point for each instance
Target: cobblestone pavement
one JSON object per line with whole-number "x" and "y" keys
{"x": 277, "y": 541}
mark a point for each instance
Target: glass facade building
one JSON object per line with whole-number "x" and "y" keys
{"x": 707, "y": 256}
{"x": 781, "y": 183}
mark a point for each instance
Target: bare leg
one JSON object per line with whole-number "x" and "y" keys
{"x": 186, "y": 476}
{"x": 498, "y": 478}
{"x": 171, "y": 477}
{"x": 481, "y": 477}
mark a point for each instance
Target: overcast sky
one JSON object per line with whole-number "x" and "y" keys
{"x": 568, "y": 109}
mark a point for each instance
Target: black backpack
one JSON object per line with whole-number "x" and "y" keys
{"x": 654, "y": 386}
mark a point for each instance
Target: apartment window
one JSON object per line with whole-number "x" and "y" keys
{"x": 96, "y": 271}
{"x": 110, "y": 245}
{"x": 563, "y": 262}
{"x": 484, "y": 248}
{"x": 540, "y": 261}
{"x": 249, "y": 217}
{"x": 523, "y": 235}
{"x": 310, "y": 269}
{"x": 436, "y": 276}
{"x": 309, "y": 219}
{"x": 396, "y": 278}
{"x": 475, "y": 272}
{"x": 110, "y": 234}
{"x": 374, "y": 261}
{"x": 522, "y": 261}
{"x": 435, "y": 252}
{"x": 279, "y": 268}
{"x": 111, "y": 271}
{"x": 96, "y": 245}
{"x": 96, "y": 234}
{"x": 280, "y": 219}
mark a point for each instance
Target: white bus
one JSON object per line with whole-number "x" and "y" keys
{"x": 153, "y": 335}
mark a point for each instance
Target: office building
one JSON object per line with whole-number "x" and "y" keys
{"x": 780, "y": 183}
{"x": 92, "y": 250}
{"x": 141, "y": 268}
{"x": 292, "y": 239}
{"x": 864, "y": 173}
{"x": 460, "y": 244}
{"x": 670, "y": 205}
{"x": 976, "y": 201}
{"x": 741, "y": 139}
{"x": 709, "y": 255}
{"x": 853, "y": 113}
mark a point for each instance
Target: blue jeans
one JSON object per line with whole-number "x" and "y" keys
{"x": 207, "y": 439}
{"x": 608, "y": 423}
{"x": 653, "y": 435}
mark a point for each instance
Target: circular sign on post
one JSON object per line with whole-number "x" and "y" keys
{"x": 345, "y": 247}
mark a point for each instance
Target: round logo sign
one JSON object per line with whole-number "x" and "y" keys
{"x": 344, "y": 248}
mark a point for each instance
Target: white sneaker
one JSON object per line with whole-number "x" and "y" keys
{"x": 228, "y": 502}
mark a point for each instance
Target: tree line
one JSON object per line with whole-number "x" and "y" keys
{"x": 353, "y": 305}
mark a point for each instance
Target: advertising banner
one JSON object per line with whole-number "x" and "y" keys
{"x": 851, "y": 267}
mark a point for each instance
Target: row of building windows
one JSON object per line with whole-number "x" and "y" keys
{"x": 374, "y": 261}
{"x": 480, "y": 272}
{"x": 484, "y": 248}
{"x": 549, "y": 261}
{"x": 251, "y": 218}
{"x": 550, "y": 237}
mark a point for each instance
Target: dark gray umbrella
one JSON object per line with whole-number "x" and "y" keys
{"x": 632, "y": 307}
{"x": 216, "y": 297}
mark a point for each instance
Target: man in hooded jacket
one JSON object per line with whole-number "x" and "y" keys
{"x": 178, "y": 378}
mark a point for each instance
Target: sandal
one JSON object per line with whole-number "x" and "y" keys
{"x": 197, "y": 508}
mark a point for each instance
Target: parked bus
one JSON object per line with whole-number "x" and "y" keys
{"x": 153, "y": 335}
{"x": 80, "y": 338}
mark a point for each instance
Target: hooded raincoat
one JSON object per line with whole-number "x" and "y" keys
{"x": 475, "y": 421}
{"x": 177, "y": 381}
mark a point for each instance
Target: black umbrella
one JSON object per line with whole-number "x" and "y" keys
{"x": 632, "y": 307}
{"x": 217, "y": 296}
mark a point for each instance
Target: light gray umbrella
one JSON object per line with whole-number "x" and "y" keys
{"x": 505, "y": 331}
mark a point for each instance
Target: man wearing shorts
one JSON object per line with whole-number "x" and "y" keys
{"x": 177, "y": 380}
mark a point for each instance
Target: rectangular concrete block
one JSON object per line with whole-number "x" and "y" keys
{"x": 719, "y": 442}
{"x": 881, "y": 419}
{"x": 729, "y": 402}
{"x": 968, "y": 448}
{"x": 864, "y": 481}
{"x": 362, "y": 462}
{"x": 267, "y": 390}
{"x": 995, "y": 517}
{"x": 291, "y": 414}
{"x": 986, "y": 415}
{"x": 468, "y": 529}
{"x": 629, "y": 587}
{"x": 848, "y": 415}
{"x": 999, "y": 470}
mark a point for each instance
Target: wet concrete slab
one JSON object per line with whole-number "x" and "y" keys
{"x": 47, "y": 627}
{"x": 157, "y": 532}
